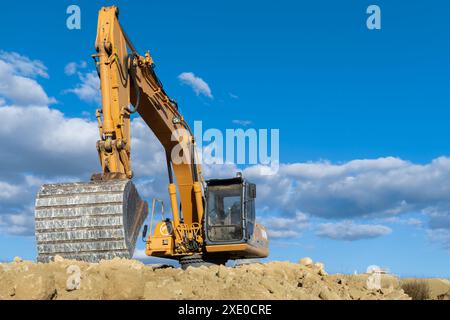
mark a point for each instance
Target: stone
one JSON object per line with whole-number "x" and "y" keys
{"x": 125, "y": 284}
{"x": 222, "y": 272}
{"x": 58, "y": 258}
{"x": 326, "y": 294}
{"x": 355, "y": 293}
{"x": 74, "y": 278}
{"x": 320, "y": 267}
{"x": 35, "y": 286}
{"x": 373, "y": 282}
{"x": 307, "y": 261}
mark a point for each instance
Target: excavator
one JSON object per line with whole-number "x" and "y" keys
{"x": 214, "y": 220}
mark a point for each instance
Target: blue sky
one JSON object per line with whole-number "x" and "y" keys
{"x": 337, "y": 91}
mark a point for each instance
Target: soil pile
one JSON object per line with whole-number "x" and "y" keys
{"x": 131, "y": 279}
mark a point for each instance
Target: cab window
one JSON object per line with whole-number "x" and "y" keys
{"x": 250, "y": 210}
{"x": 224, "y": 213}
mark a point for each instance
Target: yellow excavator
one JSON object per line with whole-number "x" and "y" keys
{"x": 101, "y": 219}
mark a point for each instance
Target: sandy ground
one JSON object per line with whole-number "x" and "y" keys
{"x": 439, "y": 288}
{"x": 131, "y": 279}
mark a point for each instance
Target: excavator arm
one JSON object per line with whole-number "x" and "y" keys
{"x": 129, "y": 84}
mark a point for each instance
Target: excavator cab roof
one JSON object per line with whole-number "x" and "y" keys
{"x": 224, "y": 182}
{"x": 227, "y": 210}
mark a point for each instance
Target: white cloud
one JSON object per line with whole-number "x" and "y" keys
{"x": 197, "y": 84}
{"x": 233, "y": 96}
{"x": 439, "y": 217}
{"x": 243, "y": 123}
{"x": 16, "y": 80}
{"x": 280, "y": 234}
{"x": 413, "y": 222}
{"x": 363, "y": 189}
{"x": 44, "y": 141}
{"x": 409, "y": 221}
{"x": 349, "y": 231}
{"x": 24, "y": 66}
{"x": 440, "y": 236}
{"x": 72, "y": 67}
{"x": 285, "y": 227}
{"x": 383, "y": 186}
{"x": 17, "y": 224}
{"x": 89, "y": 87}
{"x": 8, "y": 191}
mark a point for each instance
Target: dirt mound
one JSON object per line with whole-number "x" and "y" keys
{"x": 131, "y": 279}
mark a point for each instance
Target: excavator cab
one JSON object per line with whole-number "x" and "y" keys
{"x": 229, "y": 219}
{"x": 229, "y": 205}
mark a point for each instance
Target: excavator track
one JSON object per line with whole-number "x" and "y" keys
{"x": 88, "y": 221}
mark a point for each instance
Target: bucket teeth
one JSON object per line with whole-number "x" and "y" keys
{"x": 88, "y": 221}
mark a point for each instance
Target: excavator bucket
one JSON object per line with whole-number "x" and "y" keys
{"x": 88, "y": 221}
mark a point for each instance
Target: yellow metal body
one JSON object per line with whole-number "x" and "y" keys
{"x": 257, "y": 247}
{"x": 127, "y": 79}
{"x": 111, "y": 46}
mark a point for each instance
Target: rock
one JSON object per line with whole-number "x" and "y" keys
{"x": 35, "y": 286}
{"x": 58, "y": 258}
{"x": 307, "y": 261}
{"x": 7, "y": 286}
{"x": 138, "y": 265}
{"x": 320, "y": 267}
{"x": 445, "y": 296}
{"x": 387, "y": 290}
{"x": 355, "y": 294}
{"x": 374, "y": 281}
{"x": 222, "y": 272}
{"x": 396, "y": 295}
{"x": 125, "y": 285}
{"x": 326, "y": 294}
{"x": 74, "y": 278}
